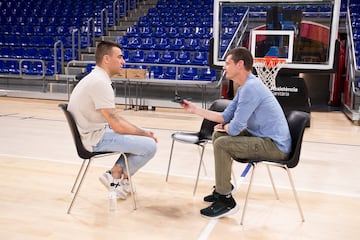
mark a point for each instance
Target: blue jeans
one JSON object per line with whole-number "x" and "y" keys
{"x": 138, "y": 149}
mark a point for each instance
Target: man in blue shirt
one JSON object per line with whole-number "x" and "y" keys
{"x": 253, "y": 126}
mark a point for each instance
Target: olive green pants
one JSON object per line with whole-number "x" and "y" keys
{"x": 243, "y": 146}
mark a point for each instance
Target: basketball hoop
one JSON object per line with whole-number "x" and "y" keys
{"x": 267, "y": 69}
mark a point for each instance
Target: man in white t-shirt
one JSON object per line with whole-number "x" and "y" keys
{"x": 101, "y": 126}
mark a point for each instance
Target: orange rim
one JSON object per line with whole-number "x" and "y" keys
{"x": 270, "y": 62}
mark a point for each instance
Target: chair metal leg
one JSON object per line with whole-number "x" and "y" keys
{"x": 198, "y": 172}
{"x": 202, "y": 162}
{"x": 295, "y": 193}
{"x": 171, "y": 151}
{"x": 272, "y": 182}
{"x": 80, "y": 183}
{"x": 248, "y": 192}
{"x": 130, "y": 180}
{"x": 77, "y": 177}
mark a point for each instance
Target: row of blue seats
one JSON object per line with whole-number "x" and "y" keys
{"x": 37, "y": 53}
{"x": 29, "y": 67}
{"x": 44, "y": 21}
{"x": 171, "y": 32}
{"x": 67, "y": 8}
{"x": 178, "y": 22}
{"x": 44, "y": 30}
{"x": 185, "y": 73}
{"x": 191, "y": 44}
{"x": 169, "y": 72}
{"x": 40, "y": 41}
{"x": 166, "y": 57}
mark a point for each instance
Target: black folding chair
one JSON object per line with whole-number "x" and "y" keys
{"x": 200, "y": 138}
{"x": 297, "y": 121}
{"x": 88, "y": 157}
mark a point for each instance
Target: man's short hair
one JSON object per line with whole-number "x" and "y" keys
{"x": 241, "y": 53}
{"x": 104, "y": 48}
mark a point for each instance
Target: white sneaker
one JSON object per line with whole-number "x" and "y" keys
{"x": 107, "y": 180}
{"x": 125, "y": 183}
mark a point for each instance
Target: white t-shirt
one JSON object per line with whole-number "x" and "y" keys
{"x": 91, "y": 94}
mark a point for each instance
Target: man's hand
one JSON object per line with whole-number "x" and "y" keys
{"x": 219, "y": 128}
{"x": 188, "y": 106}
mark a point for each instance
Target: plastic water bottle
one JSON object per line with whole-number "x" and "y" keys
{"x": 152, "y": 75}
{"x": 112, "y": 199}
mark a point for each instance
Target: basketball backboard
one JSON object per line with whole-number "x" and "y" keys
{"x": 303, "y": 32}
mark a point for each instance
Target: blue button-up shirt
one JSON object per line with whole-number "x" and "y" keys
{"x": 256, "y": 109}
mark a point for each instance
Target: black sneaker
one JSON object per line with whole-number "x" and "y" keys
{"x": 225, "y": 205}
{"x": 214, "y": 195}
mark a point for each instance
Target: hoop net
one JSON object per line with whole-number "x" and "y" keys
{"x": 267, "y": 69}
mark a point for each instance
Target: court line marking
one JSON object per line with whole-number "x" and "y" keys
{"x": 241, "y": 179}
{"x": 212, "y": 223}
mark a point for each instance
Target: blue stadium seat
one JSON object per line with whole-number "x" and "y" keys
{"x": 36, "y": 41}
{"x": 12, "y": 66}
{"x": 228, "y": 32}
{"x": 136, "y": 56}
{"x": 162, "y": 44}
{"x": 48, "y": 41}
{"x": 173, "y": 32}
{"x": 186, "y": 32}
{"x": 224, "y": 43}
{"x": 201, "y": 32}
{"x": 200, "y": 58}
{"x": 3, "y": 40}
{"x": 157, "y": 70}
{"x": 24, "y": 41}
{"x": 132, "y": 31}
{"x": 170, "y": 73}
{"x": 68, "y": 54}
{"x": 12, "y": 40}
{"x": 167, "y": 57}
{"x": 123, "y": 41}
{"x": 125, "y": 55}
{"x": 159, "y": 32}
{"x": 144, "y": 21}
{"x": 50, "y": 68}
{"x": 189, "y": 73}
{"x": 156, "y": 21}
{"x": 2, "y": 67}
{"x": 134, "y": 43}
{"x": 207, "y": 74}
{"x": 145, "y": 31}
{"x": 148, "y": 43}
{"x": 18, "y": 53}
{"x": 27, "y": 68}
{"x": 152, "y": 56}
{"x": 192, "y": 44}
{"x": 38, "y": 68}
{"x": 31, "y": 52}
{"x": 179, "y": 43}
{"x": 182, "y": 57}
{"x": 6, "y": 52}
{"x": 90, "y": 67}
{"x": 205, "y": 44}
{"x": 46, "y": 54}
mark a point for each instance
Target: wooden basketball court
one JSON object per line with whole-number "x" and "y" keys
{"x": 38, "y": 164}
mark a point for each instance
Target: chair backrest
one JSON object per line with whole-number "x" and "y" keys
{"x": 82, "y": 152}
{"x": 297, "y": 121}
{"x": 207, "y": 126}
